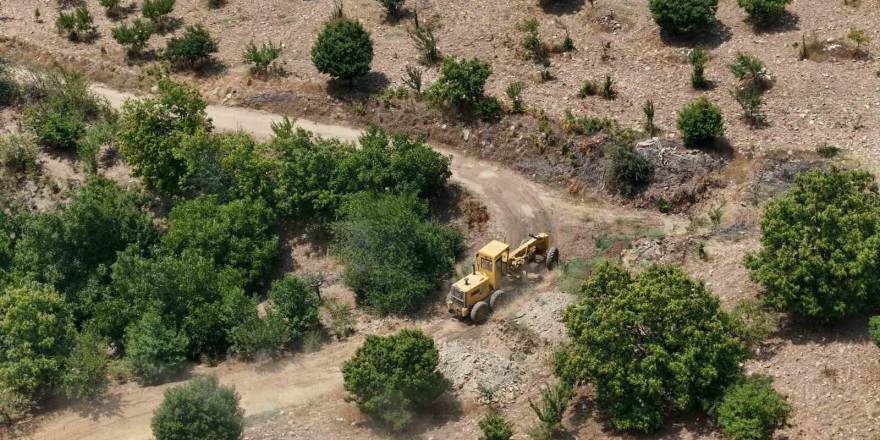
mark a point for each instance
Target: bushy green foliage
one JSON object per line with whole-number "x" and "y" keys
{"x": 55, "y": 129}
{"x": 462, "y": 82}
{"x": 72, "y": 243}
{"x": 134, "y": 37}
{"x": 698, "y": 58}
{"x": 874, "y": 329}
{"x": 86, "y": 373}
{"x": 389, "y": 377}
{"x": 392, "y": 8}
{"x": 151, "y": 130}
{"x": 749, "y": 70}
{"x": 648, "y": 342}
{"x": 819, "y": 254}
{"x": 202, "y": 409}
{"x": 648, "y": 110}
{"x": 10, "y": 90}
{"x": 426, "y": 43}
{"x": 36, "y": 336}
{"x": 157, "y": 11}
{"x": 554, "y": 402}
{"x": 753, "y": 324}
{"x": 514, "y": 92}
{"x": 341, "y": 321}
{"x": 495, "y": 427}
{"x": 239, "y": 234}
{"x": 193, "y": 50}
{"x": 683, "y": 16}
{"x": 630, "y": 171}
{"x": 393, "y": 257}
{"x": 750, "y": 100}
{"x": 18, "y": 154}
{"x": 99, "y": 135}
{"x": 488, "y": 108}
{"x": 297, "y": 302}
{"x": 764, "y": 12}
{"x": 752, "y": 410}
{"x": 588, "y": 88}
{"x": 258, "y": 335}
{"x": 531, "y": 41}
{"x": 261, "y": 57}
{"x": 154, "y": 352}
{"x": 700, "y": 122}
{"x": 344, "y": 50}
{"x": 112, "y": 7}
{"x": 79, "y": 25}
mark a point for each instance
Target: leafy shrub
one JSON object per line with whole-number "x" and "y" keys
{"x": 135, "y": 37}
{"x": 392, "y": 8}
{"x": 257, "y": 335}
{"x": 100, "y": 134}
{"x": 201, "y": 409}
{"x": 698, "y": 59}
{"x": 531, "y": 41}
{"x": 514, "y": 92}
{"x": 193, "y": 50}
{"x": 764, "y": 12}
{"x": 426, "y": 43}
{"x": 858, "y": 36}
{"x": 297, "y": 302}
{"x": 753, "y": 324}
{"x": 55, "y": 129}
{"x": 700, "y": 122}
{"x": 629, "y": 169}
{"x": 150, "y": 133}
{"x": 818, "y": 257}
{"x": 752, "y": 410}
{"x": 750, "y": 100}
{"x": 18, "y": 154}
{"x": 750, "y": 70}
{"x": 344, "y": 50}
{"x": 112, "y": 7}
{"x": 393, "y": 257}
{"x": 608, "y": 88}
{"x": 153, "y": 351}
{"x": 413, "y": 79}
{"x": 659, "y": 325}
{"x": 158, "y": 11}
{"x": 554, "y": 402}
{"x": 462, "y": 82}
{"x": 389, "y": 377}
{"x": 683, "y": 16}
{"x": 79, "y": 25}
{"x": 261, "y": 57}
{"x": 648, "y": 109}
{"x": 488, "y": 108}
{"x": 38, "y": 335}
{"x": 239, "y": 234}
{"x": 874, "y": 329}
{"x": 86, "y": 374}
{"x": 10, "y": 92}
{"x": 69, "y": 93}
{"x": 341, "y": 321}
{"x": 495, "y": 427}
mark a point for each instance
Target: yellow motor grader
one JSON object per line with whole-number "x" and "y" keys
{"x": 476, "y": 295}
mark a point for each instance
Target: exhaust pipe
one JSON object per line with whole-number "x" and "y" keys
{"x": 474, "y": 266}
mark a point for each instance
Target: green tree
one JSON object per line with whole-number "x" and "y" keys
{"x": 700, "y": 122}
{"x": 649, "y": 342}
{"x": 135, "y": 37}
{"x": 495, "y": 427}
{"x": 36, "y": 336}
{"x": 86, "y": 373}
{"x": 393, "y": 257}
{"x": 151, "y": 130}
{"x": 554, "y": 402}
{"x": 297, "y": 302}
{"x": 764, "y": 12}
{"x": 154, "y": 351}
{"x": 630, "y": 171}
{"x": 819, "y": 246}
{"x": 344, "y": 50}
{"x": 752, "y": 410}
{"x": 55, "y": 129}
{"x": 240, "y": 234}
{"x": 158, "y": 11}
{"x": 683, "y": 16}
{"x": 257, "y": 335}
{"x": 389, "y": 377}
{"x": 202, "y": 409}
{"x": 461, "y": 83}
{"x": 192, "y": 50}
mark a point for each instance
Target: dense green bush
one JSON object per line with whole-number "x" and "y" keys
{"x": 683, "y": 16}
{"x": 158, "y": 11}
{"x": 79, "y": 25}
{"x": 134, "y": 37}
{"x": 297, "y": 302}
{"x": 700, "y": 122}
{"x": 261, "y": 335}
{"x": 154, "y": 352}
{"x": 819, "y": 246}
{"x": 86, "y": 372}
{"x": 54, "y": 128}
{"x": 750, "y": 71}
{"x": 344, "y": 50}
{"x": 36, "y": 336}
{"x": 874, "y": 329}
{"x": 764, "y": 12}
{"x": 698, "y": 58}
{"x": 261, "y": 57}
{"x": 389, "y": 377}
{"x": 554, "y": 402}
{"x": 393, "y": 257}
{"x": 10, "y": 91}
{"x": 752, "y": 410}
{"x": 240, "y": 234}
{"x": 630, "y": 171}
{"x": 112, "y": 7}
{"x": 461, "y": 83}
{"x": 193, "y": 50}
{"x": 495, "y": 427}
{"x": 659, "y": 326}
{"x": 202, "y": 409}
{"x": 488, "y": 108}
{"x": 18, "y": 154}
{"x": 150, "y": 133}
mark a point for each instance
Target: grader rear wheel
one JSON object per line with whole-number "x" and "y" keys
{"x": 480, "y": 312}
{"x": 497, "y": 299}
{"x": 552, "y": 257}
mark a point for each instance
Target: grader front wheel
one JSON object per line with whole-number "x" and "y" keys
{"x": 552, "y": 257}
{"x": 480, "y": 312}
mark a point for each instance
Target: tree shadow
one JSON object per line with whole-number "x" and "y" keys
{"x": 787, "y": 22}
{"x": 561, "y": 7}
{"x": 710, "y": 37}
{"x": 107, "y": 406}
{"x": 212, "y": 67}
{"x": 348, "y": 91}
{"x": 447, "y": 409}
{"x": 799, "y": 331}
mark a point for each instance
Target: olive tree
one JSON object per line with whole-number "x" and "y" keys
{"x": 752, "y": 410}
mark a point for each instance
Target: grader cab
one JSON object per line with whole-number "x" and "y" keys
{"x": 476, "y": 295}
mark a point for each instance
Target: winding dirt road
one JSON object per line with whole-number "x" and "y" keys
{"x": 516, "y": 205}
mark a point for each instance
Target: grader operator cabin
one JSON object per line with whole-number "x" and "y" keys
{"x": 478, "y": 294}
